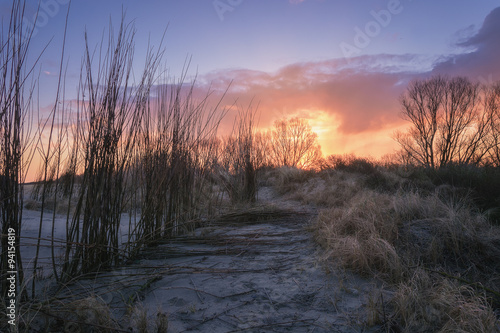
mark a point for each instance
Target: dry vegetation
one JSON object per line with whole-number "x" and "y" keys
{"x": 429, "y": 243}
{"x": 431, "y": 234}
{"x": 136, "y": 159}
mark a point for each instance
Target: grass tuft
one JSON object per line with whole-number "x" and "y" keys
{"x": 423, "y": 304}
{"x": 361, "y": 235}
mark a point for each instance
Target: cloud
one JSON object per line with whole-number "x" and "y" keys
{"x": 361, "y": 94}
{"x": 353, "y": 103}
{"x": 481, "y": 53}
{"x": 346, "y": 102}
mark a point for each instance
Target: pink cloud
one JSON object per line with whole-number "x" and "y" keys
{"x": 352, "y": 105}
{"x": 362, "y": 95}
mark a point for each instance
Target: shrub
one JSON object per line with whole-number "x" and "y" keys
{"x": 423, "y": 305}
{"x": 289, "y": 179}
{"x": 361, "y": 234}
{"x": 438, "y": 226}
{"x": 484, "y": 182}
{"x": 350, "y": 163}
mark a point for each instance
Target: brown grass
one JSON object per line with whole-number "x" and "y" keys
{"x": 322, "y": 189}
{"x": 361, "y": 234}
{"x": 89, "y": 314}
{"x": 404, "y": 235}
{"x": 439, "y": 226}
{"x": 142, "y": 323}
{"x": 423, "y": 304}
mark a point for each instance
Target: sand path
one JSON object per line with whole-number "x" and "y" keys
{"x": 253, "y": 271}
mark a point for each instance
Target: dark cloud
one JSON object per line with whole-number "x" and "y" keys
{"x": 487, "y": 37}
{"x": 482, "y": 59}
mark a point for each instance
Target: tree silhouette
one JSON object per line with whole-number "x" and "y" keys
{"x": 492, "y": 106}
{"x": 447, "y": 122}
{"x": 293, "y": 144}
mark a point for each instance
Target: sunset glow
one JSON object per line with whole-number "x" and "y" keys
{"x": 245, "y": 165}
{"x": 342, "y": 66}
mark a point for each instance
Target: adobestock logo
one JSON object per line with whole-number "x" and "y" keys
{"x": 47, "y": 10}
{"x": 486, "y": 81}
{"x": 223, "y": 6}
{"x": 371, "y": 29}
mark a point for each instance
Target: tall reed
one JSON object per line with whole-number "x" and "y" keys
{"x": 51, "y": 153}
{"x": 239, "y": 158}
{"x": 178, "y": 148}
{"x": 16, "y": 136}
{"x": 110, "y": 113}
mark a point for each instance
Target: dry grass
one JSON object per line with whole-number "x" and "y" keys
{"x": 322, "y": 189}
{"x": 83, "y": 315}
{"x": 288, "y": 179}
{"x": 360, "y": 235}
{"x": 61, "y": 206}
{"x": 423, "y": 304}
{"x": 440, "y": 226}
{"x": 362, "y": 226}
{"x": 142, "y": 323}
{"x": 403, "y": 235}
{"x": 89, "y": 314}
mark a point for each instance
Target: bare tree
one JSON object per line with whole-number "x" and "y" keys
{"x": 261, "y": 150}
{"x": 293, "y": 143}
{"x": 492, "y": 107}
{"x": 447, "y": 122}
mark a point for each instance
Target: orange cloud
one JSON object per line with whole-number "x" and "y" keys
{"x": 353, "y": 104}
{"x": 346, "y": 103}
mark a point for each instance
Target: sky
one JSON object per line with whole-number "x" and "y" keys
{"x": 341, "y": 64}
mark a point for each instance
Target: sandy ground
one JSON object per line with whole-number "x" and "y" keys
{"x": 255, "y": 272}
{"x": 256, "y": 277}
